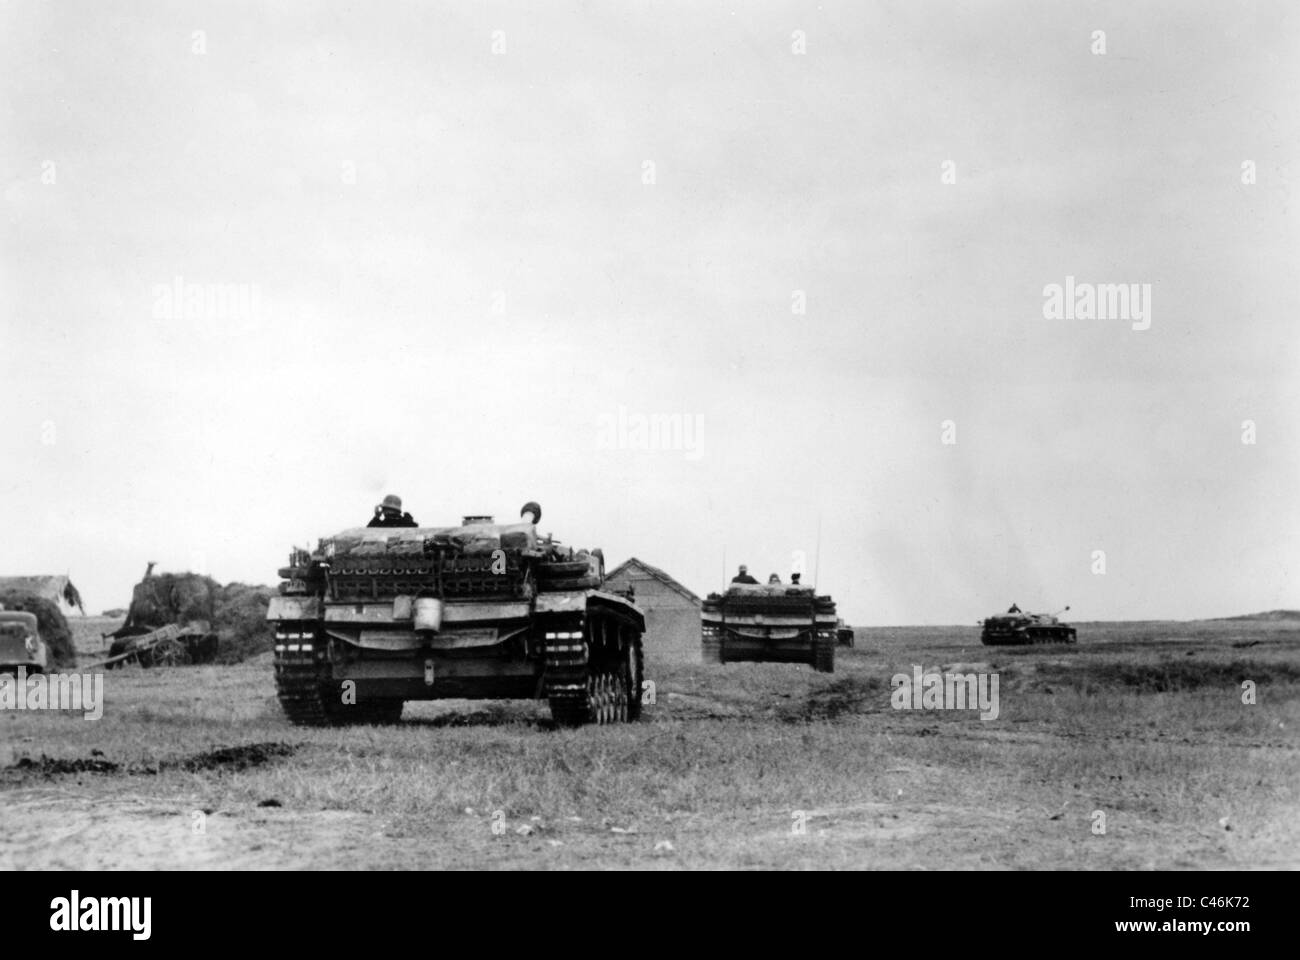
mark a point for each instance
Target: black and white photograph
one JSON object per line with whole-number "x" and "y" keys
{"x": 650, "y": 435}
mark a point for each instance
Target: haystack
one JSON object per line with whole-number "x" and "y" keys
{"x": 50, "y": 587}
{"x": 51, "y": 623}
{"x": 236, "y": 612}
{"x": 163, "y": 598}
{"x": 240, "y": 619}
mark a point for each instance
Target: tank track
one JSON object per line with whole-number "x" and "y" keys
{"x": 1031, "y": 637}
{"x": 565, "y": 679}
{"x": 585, "y": 682}
{"x": 1051, "y": 635}
{"x": 824, "y": 654}
{"x": 308, "y": 694}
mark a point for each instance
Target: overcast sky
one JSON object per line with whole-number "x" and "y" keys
{"x": 470, "y": 237}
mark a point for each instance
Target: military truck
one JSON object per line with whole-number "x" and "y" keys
{"x": 1017, "y": 628}
{"x": 769, "y": 623}
{"x": 377, "y": 616}
{"x": 20, "y": 642}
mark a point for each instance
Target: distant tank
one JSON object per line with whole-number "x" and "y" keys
{"x": 1016, "y": 628}
{"x": 769, "y": 623}
{"x": 844, "y": 635}
{"x": 376, "y": 616}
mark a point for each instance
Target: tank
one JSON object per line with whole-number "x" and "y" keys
{"x": 378, "y": 616}
{"x": 20, "y": 642}
{"x": 844, "y": 634}
{"x": 769, "y": 623}
{"x": 1017, "y": 627}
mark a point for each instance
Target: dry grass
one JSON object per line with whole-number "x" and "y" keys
{"x": 727, "y": 762}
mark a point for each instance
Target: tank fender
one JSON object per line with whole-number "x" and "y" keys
{"x": 293, "y": 608}
{"x": 567, "y": 602}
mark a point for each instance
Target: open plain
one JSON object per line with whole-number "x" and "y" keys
{"x": 1131, "y": 750}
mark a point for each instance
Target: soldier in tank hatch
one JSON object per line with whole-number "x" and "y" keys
{"x": 743, "y": 576}
{"x": 389, "y": 514}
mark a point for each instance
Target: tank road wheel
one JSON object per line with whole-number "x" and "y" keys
{"x": 606, "y": 686}
{"x": 594, "y": 701}
{"x": 618, "y": 692}
{"x": 606, "y": 698}
{"x": 635, "y": 674}
{"x": 607, "y": 711}
{"x": 622, "y": 697}
{"x": 824, "y": 654}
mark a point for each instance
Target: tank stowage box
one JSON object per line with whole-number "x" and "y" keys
{"x": 771, "y": 623}
{"x": 1017, "y": 628}
{"x": 376, "y": 616}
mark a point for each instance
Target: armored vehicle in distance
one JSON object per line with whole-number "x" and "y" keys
{"x": 376, "y": 616}
{"x": 1018, "y": 628}
{"x": 769, "y": 623}
{"x": 844, "y": 634}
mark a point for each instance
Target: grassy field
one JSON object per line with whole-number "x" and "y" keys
{"x": 1140, "y": 726}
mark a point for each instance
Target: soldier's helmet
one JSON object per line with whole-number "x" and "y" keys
{"x": 392, "y": 503}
